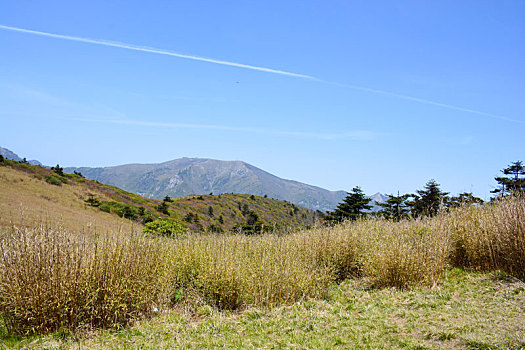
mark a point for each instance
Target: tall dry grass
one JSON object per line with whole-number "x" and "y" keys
{"x": 405, "y": 254}
{"x": 52, "y": 279}
{"x": 490, "y": 237}
{"x": 230, "y": 271}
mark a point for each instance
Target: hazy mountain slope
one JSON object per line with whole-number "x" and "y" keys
{"x": 189, "y": 176}
{"x": 6, "y": 153}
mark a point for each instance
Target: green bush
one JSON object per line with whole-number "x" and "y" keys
{"x": 54, "y": 179}
{"x": 125, "y": 210}
{"x": 105, "y": 207}
{"x": 165, "y": 227}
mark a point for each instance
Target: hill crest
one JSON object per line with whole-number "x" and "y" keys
{"x": 198, "y": 176}
{"x": 70, "y": 196}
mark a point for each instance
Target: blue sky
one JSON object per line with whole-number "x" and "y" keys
{"x": 395, "y": 93}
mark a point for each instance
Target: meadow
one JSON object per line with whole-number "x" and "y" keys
{"x": 89, "y": 287}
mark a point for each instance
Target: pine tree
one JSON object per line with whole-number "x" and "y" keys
{"x": 58, "y": 169}
{"x": 163, "y": 208}
{"x": 395, "y": 207}
{"x": 428, "y": 201}
{"x": 511, "y": 184}
{"x": 353, "y": 207}
{"x": 464, "y": 198}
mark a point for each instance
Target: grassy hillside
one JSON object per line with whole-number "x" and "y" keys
{"x": 34, "y": 192}
{"x": 27, "y": 199}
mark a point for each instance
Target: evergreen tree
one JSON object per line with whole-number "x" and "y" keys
{"x": 252, "y": 218}
{"x": 428, "y": 201}
{"x": 464, "y": 198}
{"x": 91, "y": 200}
{"x": 58, "y": 169}
{"x": 163, "y": 208}
{"x": 353, "y": 207}
{"x": 395, "y": 207}
{"x": 512, "y": 183}
{"x": 188, "y": 217}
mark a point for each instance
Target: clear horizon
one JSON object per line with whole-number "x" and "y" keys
{"x": 333, "y": 94}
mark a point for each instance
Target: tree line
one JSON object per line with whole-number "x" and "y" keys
{"x": 428, "y": 201}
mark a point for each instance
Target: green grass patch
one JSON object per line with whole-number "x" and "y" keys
{"x": 55, "y": 179}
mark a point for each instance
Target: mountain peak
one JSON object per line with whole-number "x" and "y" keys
{"x": 194, "y": 176}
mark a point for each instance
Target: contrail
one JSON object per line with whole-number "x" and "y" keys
{"x": 257, "y": 68}
{"x": 424, "y": 101}
{"x": 157, "y": 51}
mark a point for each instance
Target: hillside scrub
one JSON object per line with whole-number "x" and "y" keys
{"x": 51, "y": 279}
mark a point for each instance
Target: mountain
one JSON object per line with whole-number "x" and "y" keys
{"x": 196, "y": 176}
{"x": 377, "y": 198}
{"x": 32, "y": 195}
{"x": 11, "y": 155}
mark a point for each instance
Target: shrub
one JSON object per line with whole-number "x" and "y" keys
{"x": 165, "y": 227}
{"x": 163, "y": 208}
{"x": 54, "y": 179}
{"x": 92, "y": 201}
{"x": 214, "y": 228}
{"x": 105, "y": 206}
{"x": 51, "y": 279}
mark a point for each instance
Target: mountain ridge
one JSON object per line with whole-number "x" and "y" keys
{"x": 195, "y": 176}
{"x": 188, "y": 176}
{"x": 7, "y": 153}
{"x": 77, "y": 201}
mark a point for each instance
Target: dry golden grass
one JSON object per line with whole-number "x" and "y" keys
{"x": 232, "y": 271}
{"x": 491, "y": 237}
{"x": 27, "y": 200}
{"x": 52, "y": 278}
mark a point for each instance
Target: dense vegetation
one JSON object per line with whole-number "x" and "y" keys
{"x": 53, "y": 279}
{"x": 107, "y": 280}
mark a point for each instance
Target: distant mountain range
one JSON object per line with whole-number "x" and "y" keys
{"x": 188, "y": 176}
{"x": 196, "y": 176}
{"x": 11, "y": 155}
